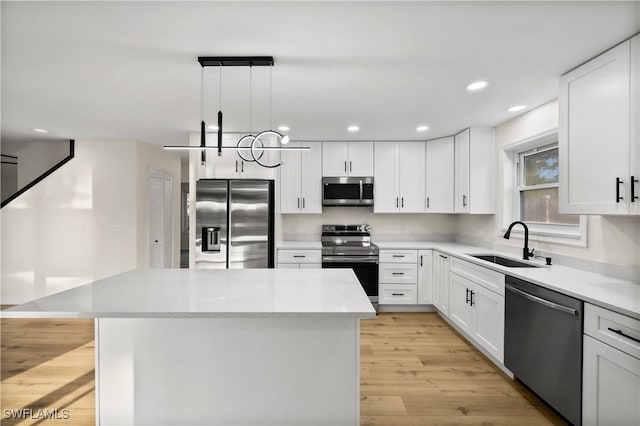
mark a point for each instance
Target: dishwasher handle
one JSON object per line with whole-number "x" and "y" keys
{"x": 542, "y": 301}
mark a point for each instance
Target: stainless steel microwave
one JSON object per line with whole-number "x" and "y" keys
{"x": 347, "y": 191}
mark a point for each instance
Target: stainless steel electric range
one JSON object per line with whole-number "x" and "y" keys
{"x": 349, "y": 246}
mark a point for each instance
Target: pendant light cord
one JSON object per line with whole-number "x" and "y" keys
{"x": 250, "y": 81}
{"x": 270, "y": 99}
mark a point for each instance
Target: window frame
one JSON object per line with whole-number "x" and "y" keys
{"x": 512, "y": 177}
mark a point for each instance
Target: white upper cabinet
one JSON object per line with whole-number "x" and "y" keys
{"x": 399, "y": 178}
{"x": 474, "y": 177}
{"x": 598, "y": 142}
{"x": 439, "y": 175}
{"x": 230, "y": 165}
{"x": 347, "y": 159}
{"x": 301, "y": 179}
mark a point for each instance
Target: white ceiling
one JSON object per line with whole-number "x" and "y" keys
{"x": 128, "y": 70}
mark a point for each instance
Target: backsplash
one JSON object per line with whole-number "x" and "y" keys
{"x": 394, "y": 226}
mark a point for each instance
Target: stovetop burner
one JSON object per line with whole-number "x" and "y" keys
{"x": 347, "y": 240}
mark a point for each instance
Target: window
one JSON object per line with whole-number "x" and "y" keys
{"x": 530, "y": 179}
{"x": 538, "y": 188}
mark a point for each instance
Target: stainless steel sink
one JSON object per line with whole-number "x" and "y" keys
{"x": 504, "y": 261}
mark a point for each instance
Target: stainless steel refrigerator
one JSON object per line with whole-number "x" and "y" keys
{"x": 234, "y": 224}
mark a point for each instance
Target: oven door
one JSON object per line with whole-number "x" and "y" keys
{"x": 365, "y": 268}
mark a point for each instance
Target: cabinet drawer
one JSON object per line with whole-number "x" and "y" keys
{"x": 600, "y": 324}
{"x": 399, "y": 256}
{"x": 398, "y": 273}
{"x": 299, "y": 256}
{"x": 397, "y": 294}
{"x": 485, "y": 277}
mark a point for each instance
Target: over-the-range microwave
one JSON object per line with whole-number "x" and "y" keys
{"x": 347, "y": 191}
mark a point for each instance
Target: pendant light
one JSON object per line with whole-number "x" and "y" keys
{"x": 257, "y": 145}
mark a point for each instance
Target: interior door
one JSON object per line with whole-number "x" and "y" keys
{"x": 160, "y": 231}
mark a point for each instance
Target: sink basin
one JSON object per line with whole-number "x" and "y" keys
{"x": 504, "y": 261}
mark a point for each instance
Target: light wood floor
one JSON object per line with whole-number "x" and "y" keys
{"x": 415, "y": 370}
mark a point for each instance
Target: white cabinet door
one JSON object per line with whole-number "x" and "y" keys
{"x": 301, "y": 179}
{"x": 441, "y": 282}
{"x": 360, "y": 159}
{"x": 610, "y": 385}
{"x": 425, "y": 277}
{"x": 386, "y": 178}
{"x": 335, "y": 159}
{"x": 291, "y": 180}
{"x": 461, "y": 181}
{"x": 594, "y": 137}
{"x": 460, "y": 310}
{"x": 439, "y": 175}
{"x": 634, "y": 150}
{"x": 411, "y": 177}
{"x": 311, "y": 178}
{"x": 488, "y": 320}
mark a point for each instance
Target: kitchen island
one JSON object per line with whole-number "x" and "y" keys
{"x": 185, "y": 346}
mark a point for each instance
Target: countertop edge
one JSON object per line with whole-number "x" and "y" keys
{"x": 8, "y": 314}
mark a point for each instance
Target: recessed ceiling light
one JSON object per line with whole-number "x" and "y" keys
{"x": 41, "y": 130}
{"x": 353, "y": 128}
{"x": 283, "y": 128}
{"x": 477, "y": 85}
{"x": 516, "y": 108}
{"x": 212, "y": 127}
{"x": 422, "y": 128}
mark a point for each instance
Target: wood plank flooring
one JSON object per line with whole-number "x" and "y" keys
{"x": 415, "y": 370}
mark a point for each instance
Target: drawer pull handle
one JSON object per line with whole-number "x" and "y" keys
{"x": 397, "y": 294}
{"x": 444, "y": 257}
{"x": 398, "y": 255}
{"x": 299, "y": 255}
{"x": 397, "y": 273}
{"x": 620, "y": 332}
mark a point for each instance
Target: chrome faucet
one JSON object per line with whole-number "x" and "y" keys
{"x": 526, "y": 254}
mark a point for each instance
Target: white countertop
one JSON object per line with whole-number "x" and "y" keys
{"x": 611, "y": 293}
{"x": 207, "y": 293}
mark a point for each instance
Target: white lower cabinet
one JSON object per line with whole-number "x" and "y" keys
{"x": 610, "y": 368}
{"x": 397, "y": 294}
{"x": 425, "y": 277}
{"x": 441, "y": 282}
{"x": 477, "y": 310}
{"x": 298, "y": 259}
{"x": 398, "y": 277}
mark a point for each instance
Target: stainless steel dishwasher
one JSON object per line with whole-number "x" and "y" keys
{"x": 543, "y": 344}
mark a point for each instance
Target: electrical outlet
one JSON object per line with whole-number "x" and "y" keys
{"x": 116, "y": 230}
{"x": 403, "y": 229}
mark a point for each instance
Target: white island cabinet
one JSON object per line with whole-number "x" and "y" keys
{"x": 221, "y": 347}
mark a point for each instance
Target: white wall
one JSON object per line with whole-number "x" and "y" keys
{"x": 78, "y": 225}
{"x": 610, "y": 239}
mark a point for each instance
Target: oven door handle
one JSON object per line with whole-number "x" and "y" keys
{"x": 542, "y": 301}
{"x": 349, "y": 259}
